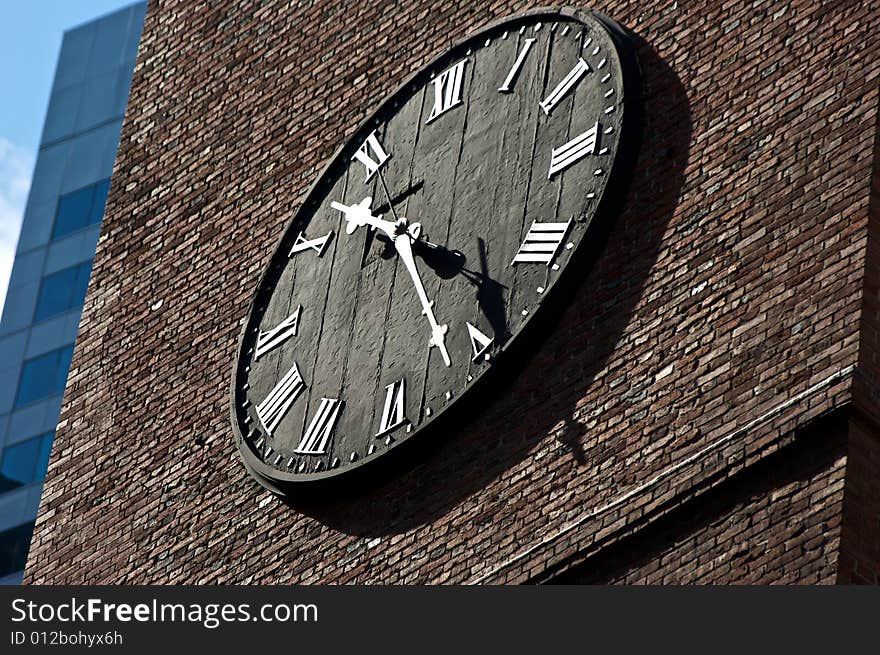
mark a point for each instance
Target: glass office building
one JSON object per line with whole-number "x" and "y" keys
{"x": 53, "y": 260}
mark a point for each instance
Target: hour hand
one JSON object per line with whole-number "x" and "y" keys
{"x": 359, "y": 215}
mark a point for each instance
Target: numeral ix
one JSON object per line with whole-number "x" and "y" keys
{"x": 269, "y": 339}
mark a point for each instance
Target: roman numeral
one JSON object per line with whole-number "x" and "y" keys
{"x": 369, "y": 149}
{"x": 268, "y": 339}
{"x": 542, "y": 242}
{"x": 393, "y": 412}
{"x": 567, "y": 84}
{"x": 514, "y": 71}
{"x": 575, "y": 150}
{"x": 279, "y": 400}
{"x": 314, "y": 441}
{"x": 319, "y": 245}
{"x": 447, "y": 90}
{"x": 479, "y": 341}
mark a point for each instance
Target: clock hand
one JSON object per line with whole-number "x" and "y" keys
{"x": 403, "y": 244}
{"x": 387, "y": 195}
{"x": 397, "y": 200}
{"x": 359, "y": 214}
{"x": 414, "y": 229}
{"x": 402, "y": 235}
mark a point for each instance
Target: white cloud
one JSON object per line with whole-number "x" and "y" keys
{"x": 15, "y": 179}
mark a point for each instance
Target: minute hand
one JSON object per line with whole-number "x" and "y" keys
{"x": 403, "y": 244}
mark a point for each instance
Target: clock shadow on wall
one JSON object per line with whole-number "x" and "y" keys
{"x": 539, "y": 384}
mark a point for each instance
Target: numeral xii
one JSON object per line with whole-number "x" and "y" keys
{"x": 447, "y": 90}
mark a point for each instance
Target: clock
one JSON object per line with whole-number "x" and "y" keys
{"x": 433, "y": 238}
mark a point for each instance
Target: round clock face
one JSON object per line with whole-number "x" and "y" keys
{"x": 426, "y": 245}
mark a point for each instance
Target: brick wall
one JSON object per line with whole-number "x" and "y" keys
{"x": 775, "y": 522}
{"x": 860, "y": 540}
{"x": 722, "y": 314}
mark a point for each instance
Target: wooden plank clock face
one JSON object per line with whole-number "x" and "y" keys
{"x": 425, "y": 246}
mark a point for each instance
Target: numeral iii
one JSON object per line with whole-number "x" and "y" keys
{"x": 447, "y": 90}
{"x": 575, "y": 150}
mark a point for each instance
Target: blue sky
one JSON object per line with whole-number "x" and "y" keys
{"x": 30, "y": 39}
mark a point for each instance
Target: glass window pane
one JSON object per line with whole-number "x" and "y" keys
{"x": 43, "y": 376}
{"x": 43, "y": 457}
{"x": 37, "y": 378}
{"x": 7, "y": 484}
{"x": 14, "y": 546}
{"x": 82, "y": 283}
{"x": 100, "y": 200}
{"x": 56, "y": 293}
{"x": 20, "y": 461}
{"x": 73, "y": 212}
{"x": 64, "y": 357}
